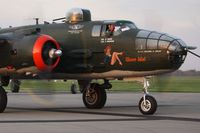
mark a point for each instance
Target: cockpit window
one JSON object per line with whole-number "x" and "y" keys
{"x": 123, "y": 26}
{"x": 117, "y": 28}
{"x": 120, "y": 29}
{"x": 131, "y": 25}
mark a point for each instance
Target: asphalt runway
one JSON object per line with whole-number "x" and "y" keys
{"x": 65, "y": 113}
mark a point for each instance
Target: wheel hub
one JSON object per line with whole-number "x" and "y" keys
{"x": 91, "y": 96}
{"x": 146, "y": 105}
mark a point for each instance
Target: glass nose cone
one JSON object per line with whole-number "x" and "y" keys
{"x": 151, "y": 40}
{"x": 177, "y": 52}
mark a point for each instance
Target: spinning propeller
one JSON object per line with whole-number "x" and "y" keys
{"x": 162, "y": 82}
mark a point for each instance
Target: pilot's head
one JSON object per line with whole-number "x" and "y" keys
{"x": 111, "y": 27}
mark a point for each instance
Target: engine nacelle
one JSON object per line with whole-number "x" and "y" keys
{"x": 41, "y": 51}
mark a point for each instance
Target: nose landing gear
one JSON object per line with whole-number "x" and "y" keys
{"x": 147, "y": 104}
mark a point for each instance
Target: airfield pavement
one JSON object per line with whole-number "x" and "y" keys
{"x": 65, "y": 113}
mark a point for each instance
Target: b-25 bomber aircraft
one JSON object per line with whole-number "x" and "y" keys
{"x": 84, "y": 50}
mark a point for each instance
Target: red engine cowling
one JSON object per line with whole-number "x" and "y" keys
{"x": 41, "y": 51}
{"x": 44, "y": 53}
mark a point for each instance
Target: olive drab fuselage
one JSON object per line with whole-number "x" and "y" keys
{"x": 89, "y": 50}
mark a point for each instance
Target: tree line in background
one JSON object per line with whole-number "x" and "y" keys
{"x": 185, "y": 73}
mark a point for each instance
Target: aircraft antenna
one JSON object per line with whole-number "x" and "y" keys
{"x": 36, "y": 20}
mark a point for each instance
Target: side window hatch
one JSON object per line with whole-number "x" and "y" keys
{"x": 96, "y": 31}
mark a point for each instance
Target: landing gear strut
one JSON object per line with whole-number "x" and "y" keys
{"x": 73, "y": 88}
{"x": 15, "y": 85}
{"x": 147, "y": 104}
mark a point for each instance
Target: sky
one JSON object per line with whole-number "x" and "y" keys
{"x": 176, "y": 17}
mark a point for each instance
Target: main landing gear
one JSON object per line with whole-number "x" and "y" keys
{"x": 3, "y": 99}
{"x": 4, "y": 81}
{"x": 147, "y": 104}
{"x": 94, "y": 95}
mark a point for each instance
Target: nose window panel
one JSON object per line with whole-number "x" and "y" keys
{"x": 143, "y": 34}
{"x": 166, "y": 38}
{"x": 182, "y": 43}
{"x": 173, "y": 46}
{"x": 151, "y": 40}
{"x": 163, "y": 44}
{"x": 155, "y": 35}
{"x": 152, "y": 44}
{"x": 140, "y": 44}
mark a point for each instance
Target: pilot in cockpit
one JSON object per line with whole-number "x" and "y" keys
{"x": 110, "y": 30}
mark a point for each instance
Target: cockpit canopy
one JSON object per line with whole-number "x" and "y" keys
{"x": 76, "y": 15}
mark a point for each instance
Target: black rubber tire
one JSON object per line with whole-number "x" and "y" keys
{"x": 153, "y": 105}
{"x": 14, "y": 86}
{"x": 3, "y": 99}
{"x": 100, "y": 98}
